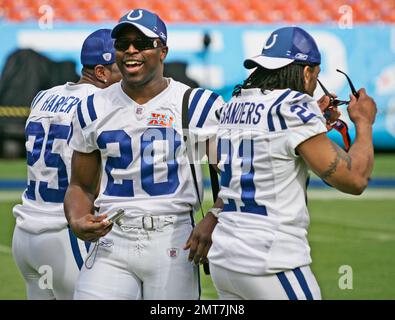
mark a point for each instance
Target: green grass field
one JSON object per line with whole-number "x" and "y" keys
{"x": 358, "y": 232}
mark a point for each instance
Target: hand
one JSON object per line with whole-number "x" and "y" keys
{"x": 362, "y": 110}
{"x": 324, "y": 101}
{"x": 331, "y": 113}
{"x": 91, "y": 228}
{"x": 199, "y": 242}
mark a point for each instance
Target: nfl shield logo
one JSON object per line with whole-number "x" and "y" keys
{"x": 107, "y": 56}
{"x": 172, "y": 252}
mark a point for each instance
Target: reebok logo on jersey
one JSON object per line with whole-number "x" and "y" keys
{"x": 172, "y": 252}
{"x": 160, "y": 120}
{"x": 107, "y": 243}
{"x": 139, "y": 110}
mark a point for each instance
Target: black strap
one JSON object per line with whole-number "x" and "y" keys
{"x": 185, "y": 127}
{"x": 213, "y": 173}
{"x": 214, "y": 182}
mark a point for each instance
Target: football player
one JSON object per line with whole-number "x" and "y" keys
{"x": 271, "y": 132}
{"x": 134, "y": 131}
{"x": 44, "y": 248}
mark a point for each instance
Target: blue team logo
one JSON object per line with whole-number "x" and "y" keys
{"x": 268, "y": 44}
{"x": 139, "y": 16}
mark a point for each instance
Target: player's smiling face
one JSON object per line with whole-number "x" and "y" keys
{"x": 142, "y": 64}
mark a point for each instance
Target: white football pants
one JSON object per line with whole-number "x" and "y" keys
{"x": 137, "y": 262}
{"x": 49, "y": 262}
{"x": 297, "y": 284}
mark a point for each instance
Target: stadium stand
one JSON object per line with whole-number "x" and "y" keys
{"x": 293, "y": 11}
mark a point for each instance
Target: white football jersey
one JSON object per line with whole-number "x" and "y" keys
{"x": 263, "y": 226}
{"x": 47, "y": 132}
{"x": 144, "y": 160}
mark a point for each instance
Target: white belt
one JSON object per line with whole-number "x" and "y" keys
{"x": 149, "y": 222}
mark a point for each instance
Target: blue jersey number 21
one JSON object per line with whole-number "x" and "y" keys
{"x": 246, "y": 154}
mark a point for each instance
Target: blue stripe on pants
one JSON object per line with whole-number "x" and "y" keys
{"x": 76, "y": 249}
{"x": 287, "y": 286}
{"x": 303, "y": 283}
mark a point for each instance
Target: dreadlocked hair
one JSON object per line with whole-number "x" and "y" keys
{"x": 288, "y": 77}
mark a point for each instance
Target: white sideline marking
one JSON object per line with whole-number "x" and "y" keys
{"x": 5, "y": 249}
{"x": 369, "y": 194}
{"x": 366, "y": 235}
{"x": 11, "y": 195}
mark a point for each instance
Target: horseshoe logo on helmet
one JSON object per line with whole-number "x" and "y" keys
{"x": 140, "y": 15}
{"x": 268, "y": 46}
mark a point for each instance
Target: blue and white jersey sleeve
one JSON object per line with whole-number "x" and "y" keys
{"x": 203, "y": 112}
{"x": 304, "y": 119}
{"x": 83, "y": 137}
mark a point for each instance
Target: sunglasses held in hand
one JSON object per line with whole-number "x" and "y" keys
{"x": 339, "y": 125}
{"x": 336, "y": 102}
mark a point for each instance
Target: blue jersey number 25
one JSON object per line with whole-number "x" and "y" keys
{"x": 51, "y": 160}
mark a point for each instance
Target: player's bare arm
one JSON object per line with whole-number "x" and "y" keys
{"x": 199, "y": 241}
{"x": 348, "y": 172}
{"x": 340, "y": 155}
{"x": 80, "y": 195}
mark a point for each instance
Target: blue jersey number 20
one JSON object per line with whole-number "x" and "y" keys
{"x": 125, "y": 188}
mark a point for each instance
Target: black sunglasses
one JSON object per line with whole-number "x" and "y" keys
{"x": 336, "y": 102}
{"x": 140, "y": 44}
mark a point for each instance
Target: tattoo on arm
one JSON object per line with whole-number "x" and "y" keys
{"x": 340, "y": 155}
